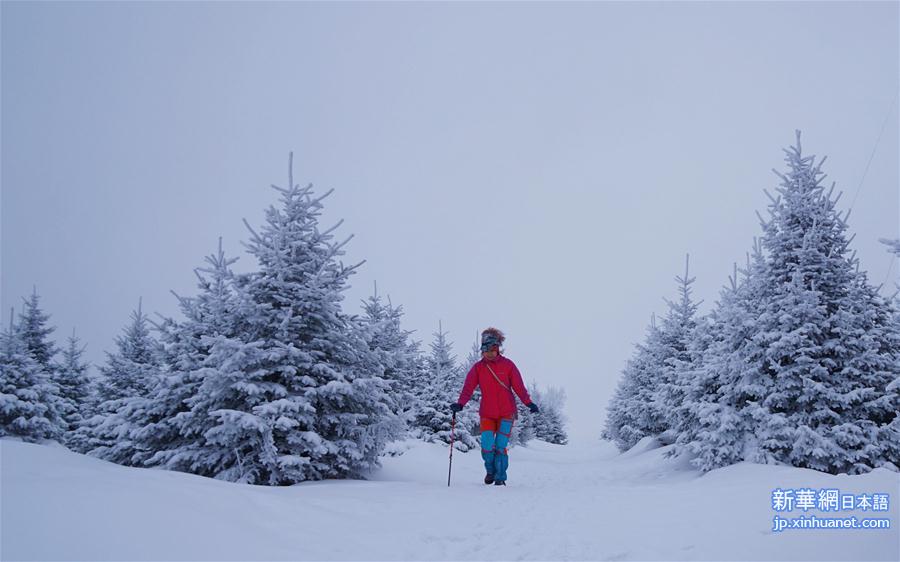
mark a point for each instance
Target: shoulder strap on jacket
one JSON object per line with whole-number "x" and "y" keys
{"x": 496, "y": 377}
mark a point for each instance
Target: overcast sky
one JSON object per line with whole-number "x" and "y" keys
{"x": 539, "y": 167}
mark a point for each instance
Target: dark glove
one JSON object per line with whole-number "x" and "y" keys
{"x": 534, "y": 408}
{"x": 455, "y": 407}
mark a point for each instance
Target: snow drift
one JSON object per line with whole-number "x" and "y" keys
{"x": 577, "y": 502}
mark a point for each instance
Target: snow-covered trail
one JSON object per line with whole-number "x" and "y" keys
{"x": 578, "y": 502}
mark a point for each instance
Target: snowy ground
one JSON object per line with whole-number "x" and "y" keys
{"x": 579, "y": 502}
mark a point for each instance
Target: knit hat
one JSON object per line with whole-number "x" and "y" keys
{"x": 490, "y": 338}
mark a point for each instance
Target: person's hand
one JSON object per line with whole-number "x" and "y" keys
{"x": 455, "y": 407}
{"x": 534, "y": 408}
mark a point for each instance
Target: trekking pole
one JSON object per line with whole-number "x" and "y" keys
{"x": 452, "y": 427}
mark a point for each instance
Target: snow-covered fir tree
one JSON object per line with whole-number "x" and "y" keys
{"x": 34, "y": 330}
{"x": 235, "y": 446}
{"x": 549, "y": 425}
{"x": 470, "y": 416}
{"x": 132, "y": 369}
{"x": 29, "y": 401}
{"x": 676, "y": 336}
{"x": 221, "y": 357}
{"x": 714, "y": 421}
{"x": 74, "y": 383}
{"x": 441, "y": 386}
{"x": 649, "y": 400}
{"x": 67, "y": 379}
{"x": 223, "y": 366}
{"x": 633, "y": 412}
{"x": 523, "y": 429}
{"x": 894, "y": 248}
{"x": 126, "y": 379}
{"x": 314, "y": 403}
{"x": 474, "y": 356}
{"x": 172, "y": 428}
{"x": 804, "y": 351}
{"x": 830, "y": 340}
{"x": 396, "y": 351}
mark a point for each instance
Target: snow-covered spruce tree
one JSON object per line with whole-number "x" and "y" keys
{"x": 891, "y": 433}
{"x": 35, "y": 331}
{"x": 432, "y": 421}
{"x": 802, "y": 370}
{"x": 470, "y": 417}
{"x": 549, "y": 425}
{"x": 127, "y": 378}
{"x": 650, "y": 397}
{"x": 877, "y": 364}
{"x": 171, "y": 429}
{"x": 442, "y": 383}
{"x": 523, "y": 429}
{"x": 714, "y": 422}
{"x": 132, "y": 369}
{"x": 399, "y": 355}
{"x": 676, "y": 337}
{"x": 555, "y": 428}
{"x": 220, "y": 375}
{"x": 317, "y": 403}
{"x": 894, "y": 247}
{"x": 831, "y": 345}
{"x": 29, "y": 404}
{"x": 538, "y": 422}
{"x": 74, "y": 384}
{"x": 236, "y": 443}
{"x": 633, "y": 412}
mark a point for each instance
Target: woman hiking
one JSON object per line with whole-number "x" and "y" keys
{"x": 497, "y": 377}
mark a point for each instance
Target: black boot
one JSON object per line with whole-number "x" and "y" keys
{"x": 488, "y": 478}
{"x": 500, "y": 483}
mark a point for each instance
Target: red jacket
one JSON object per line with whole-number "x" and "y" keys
{"x": 496, "y": 401}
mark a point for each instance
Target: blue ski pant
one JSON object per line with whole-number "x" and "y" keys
{"x": 494, "y": 442}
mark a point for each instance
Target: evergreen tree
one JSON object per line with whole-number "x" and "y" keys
{"x": 398, "y": 354}
{"x": 676, "y": 337}
{"x": 316, "y": 403}
{"x": 238, "y": 444}
{"x": 554, "y": 430}
{"x": 172, "y": 428}
{"x": 803, "y": 351}
{"x": 634, "y": 412}
{"x": 523, "y": 429}
{"x": 443, "y": 382}
{"x": 131, "y": 370}
{"x": 218, "y": 376}
{"x": 831, "y": 345}
{"x": 29, "y": 403}
{"x": 470, "y": 416}
{"x": 894, "y": 247}
{"x": 74, "y": 384}
{"x": 127, "y": 378}
{"x": 650, "y": 398}
{"x": 549, "y": 425}
{"x": 473, "y": 357}
{"x": 714, "y": 422}
{"x": 35, "y": 331}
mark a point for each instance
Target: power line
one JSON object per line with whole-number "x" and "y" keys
{"x": 874, "y": 148}
{"x": 890, "y": 268}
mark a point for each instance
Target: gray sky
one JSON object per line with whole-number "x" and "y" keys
{"x": 539, "y": 167}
